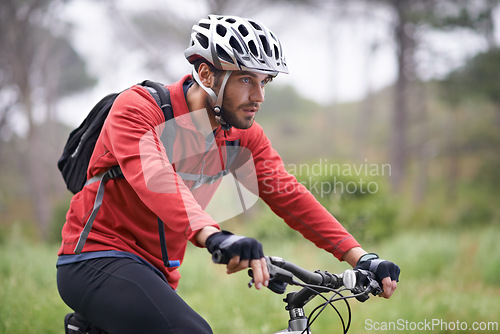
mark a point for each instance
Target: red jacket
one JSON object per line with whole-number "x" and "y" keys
{"x": 128, "y": 218}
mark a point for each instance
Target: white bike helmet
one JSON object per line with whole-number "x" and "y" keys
{"x": 234, "y": 43}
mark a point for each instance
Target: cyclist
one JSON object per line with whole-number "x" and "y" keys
{"x": 119, "y": 282}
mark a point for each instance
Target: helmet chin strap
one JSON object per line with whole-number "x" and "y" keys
{"x": 216, "y": 100}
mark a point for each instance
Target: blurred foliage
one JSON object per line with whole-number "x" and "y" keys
{"x": 459, "y": 13}
{"x": 58, "y": 220}
{"x": 30, "y": 301}
{"x": 39, "y": 65}
{"x": 36, "y": 53}
{"x": 357, "y": 195}
{"x": 478, "y": 77}
{"x": 488, "y": 259}
{"x": 76, "y": 77}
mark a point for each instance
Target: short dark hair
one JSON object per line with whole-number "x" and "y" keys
{"x": 212, "y": 68}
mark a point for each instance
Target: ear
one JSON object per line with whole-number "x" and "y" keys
{"x": 207, "y": 77}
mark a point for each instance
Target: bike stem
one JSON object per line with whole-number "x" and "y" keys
{"x": 298, "y": 319}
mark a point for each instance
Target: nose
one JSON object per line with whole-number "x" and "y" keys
{"x": 258, "y": 94}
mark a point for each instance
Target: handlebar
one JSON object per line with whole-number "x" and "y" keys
{"x": 282, "y": 273}
{"x": 359, "y": 282}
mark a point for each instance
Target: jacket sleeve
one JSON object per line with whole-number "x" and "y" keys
{"x": 291, "y": 200}
{"x": 131, "y": 134}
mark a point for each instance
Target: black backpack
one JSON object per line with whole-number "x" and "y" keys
{"x": 77, "y": 152}
{"x": 75, "y": 158}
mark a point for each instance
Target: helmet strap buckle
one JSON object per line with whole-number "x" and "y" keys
{"x": 220, "y": 120}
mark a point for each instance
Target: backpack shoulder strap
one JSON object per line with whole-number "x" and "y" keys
{"x": 103, "y": 179}
{"x": 162, "y": 97}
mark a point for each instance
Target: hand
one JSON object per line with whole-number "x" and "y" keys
{"x": 259, "y": 267}
{"x": 387, "y": 273}
{"x": 239, "y": 253}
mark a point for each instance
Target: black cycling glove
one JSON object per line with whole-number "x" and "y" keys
{"x": 224, "y": 245}
{"x": 381, "y": 268}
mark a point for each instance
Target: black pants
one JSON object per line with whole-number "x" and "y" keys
{"x": 120, "y": 295}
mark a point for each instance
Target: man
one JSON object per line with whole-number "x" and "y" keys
{"x": 119, "y": 281}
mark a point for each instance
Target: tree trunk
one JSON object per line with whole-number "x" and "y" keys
{"x": 38, "y": 182}
{"x": 453, "y": 172}
{"x": 399, "y": 146}
{"x": 34, "y": 160}
{"x": 366, "y": 111}
{"x": 424, "y": 151}
{"x": 497, "y": 114}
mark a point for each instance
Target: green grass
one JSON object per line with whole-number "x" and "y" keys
{"x": 29, "y": 301}
{"x": 445, "y": 275}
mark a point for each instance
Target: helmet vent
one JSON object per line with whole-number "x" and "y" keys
{"x": 253, "y": 48}
{"x": 230, "y": 20}
{"x": 265, "y": 44}
{"x": 276, "y": 53}
{"x": 255, "y": 25}
{"x": 223, "y": 54}
{"x": 203, "y": 40}
{"x": 243, "y": 30}
{"x": 235, "y": 45}
{"x": 205, "y": 25}
{"x": 221, "y": 30}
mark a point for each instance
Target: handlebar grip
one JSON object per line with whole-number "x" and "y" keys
{"x": 366, "y": 283}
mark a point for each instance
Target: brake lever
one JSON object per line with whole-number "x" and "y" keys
{"x": 278, "y": 278}
{"x": 374, "y": 288}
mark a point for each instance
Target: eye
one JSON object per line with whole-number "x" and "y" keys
{"x": 246, "y": 80}
{"x": 266, "y": 81}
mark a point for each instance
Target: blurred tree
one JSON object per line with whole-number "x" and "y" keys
{"x": 477, "y": 80}
{"x": 38, "y": 66}
{"x": 478, "y": 77}
{"x": 410, "y": 21}
{"x": 414, "y": 20}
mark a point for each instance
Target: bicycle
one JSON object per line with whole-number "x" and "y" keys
{"x": 360, "y": 283}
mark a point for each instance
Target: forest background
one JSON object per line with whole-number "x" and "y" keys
{"x": 390, "y": 116}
